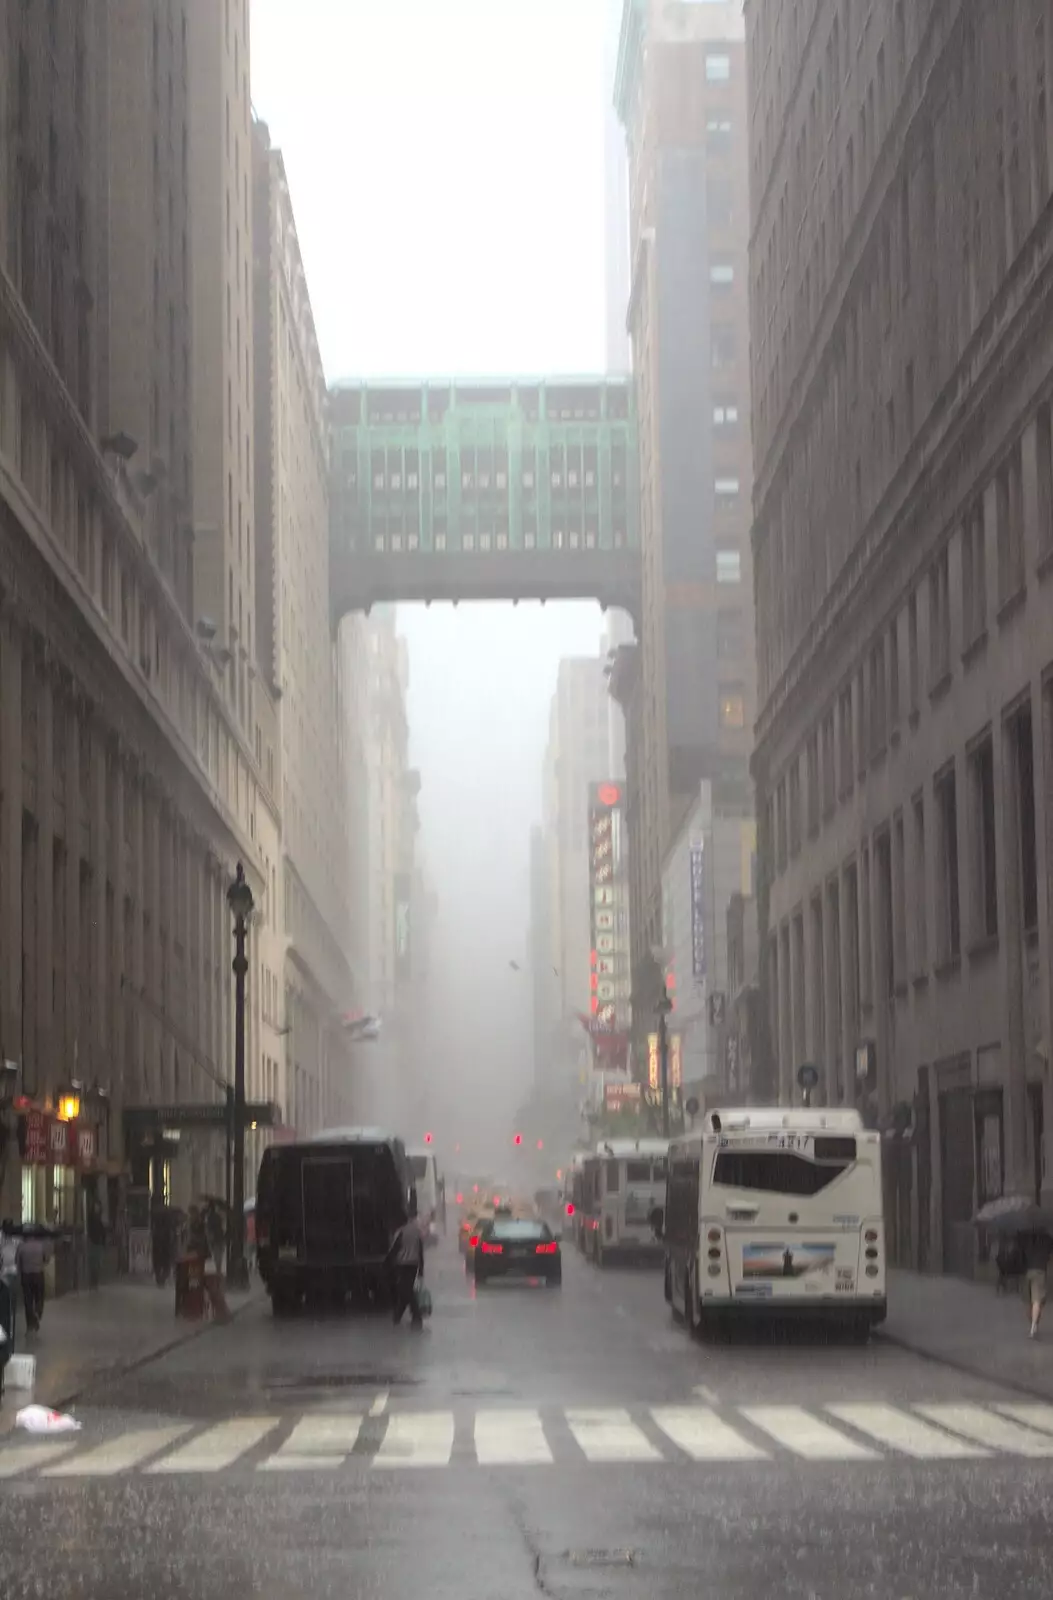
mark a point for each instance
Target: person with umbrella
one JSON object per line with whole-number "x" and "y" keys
{"x": 1032, "y": 1227}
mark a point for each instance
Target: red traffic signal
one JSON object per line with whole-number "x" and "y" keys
{"x": 427, "y": 1138}
{"x": 541, "y": 1144}
{"x": 518, "y": 1139}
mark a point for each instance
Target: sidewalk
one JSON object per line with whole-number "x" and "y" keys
{"x": 968, "y": 1326}
{"x": 85, "y": 1336}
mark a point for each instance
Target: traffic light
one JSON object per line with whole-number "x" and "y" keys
{"x": 541, "y": 1144}
{"x": 518, "y": 1139}
{"x": 427, "y": 1138}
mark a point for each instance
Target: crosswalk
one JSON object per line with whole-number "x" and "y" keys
{"x": 864, "y": 1431}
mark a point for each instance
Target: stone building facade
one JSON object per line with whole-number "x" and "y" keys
{"x": 902, "y": 352}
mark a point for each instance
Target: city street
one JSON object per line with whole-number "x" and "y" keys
{"x": 531, "y": 1441}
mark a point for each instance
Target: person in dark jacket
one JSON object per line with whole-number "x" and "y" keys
{"x": 407, "y": 1258}
{"x": 1038, "y": 1248}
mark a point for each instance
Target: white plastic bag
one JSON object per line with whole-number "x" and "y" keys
{"x": 38, "y": 1419}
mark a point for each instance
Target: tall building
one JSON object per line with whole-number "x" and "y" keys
{"x": 903, "y": 385}
{"x": 220, "y": 168}
{"x": 688, "y": 687}
{"x": 311, "y": 986}
{"x": 576, "y": 756}
{"x": 615, "y": 206}
{"x": 124, "y": 803}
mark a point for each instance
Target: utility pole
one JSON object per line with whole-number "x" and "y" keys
{"x": 240, "y": 901}
{"x": 663, "y": 1008}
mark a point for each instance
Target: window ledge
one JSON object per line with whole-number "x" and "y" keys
{"x": 974, "y": 649}
{"x": 949, "y": 968}
{"x": 985, "y": 945}
{"x": 1008, "y": 609}
{"x": 940, "y": 687}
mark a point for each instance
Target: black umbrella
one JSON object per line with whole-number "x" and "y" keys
{"x": 1014, "y": 1214}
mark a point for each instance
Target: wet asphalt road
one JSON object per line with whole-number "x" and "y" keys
{"x": 531, "y": 1442}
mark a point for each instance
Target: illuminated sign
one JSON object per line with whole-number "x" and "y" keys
{"x": 676, "y": 1061}
{"x": 654, "y": 1062}
{"x": 698, "y": 913}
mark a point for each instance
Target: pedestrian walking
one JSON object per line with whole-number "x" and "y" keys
{"x": 199, "y": 1246}
{"x": 96, "y": 1242}
{"x": 31, "y": 1259}
{"x": 1037, "y": 1250}
{"x": 407, "y": 1259}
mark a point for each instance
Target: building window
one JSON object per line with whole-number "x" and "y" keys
{"x": 725, "y": 417}
{"x": 974, "y": 575}
{"x": 719, "y": 202}
{"x": 893, "y": 676}
{"x": 939, "y": 622}
{"x": 813, "y": 785}
{"x": 1010, "y": 528}
{"x": 727, "y": 491}
{"x": 913, "y": 686}
{"x": 722, "y": 275}
{"x": 729, "y": 566}
{"x": 1044, "y": 470}
{"x": 984, "y": 884}
{"x": 845, "y": 762}
{"x": 829, "y": 770}
{"x": 732, "y": 709}
{"x": 718, "y": 68}
{"x": 877, "y": 701}
{"x": 718, "y": 136}
{"x": 920, "y": 888}
{"x": 723, "y": 347}
{"x": 1022, "y": 754}
{"x": 948, "y": 927}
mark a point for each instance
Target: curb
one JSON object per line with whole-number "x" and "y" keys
{"x": 119, "y": 1368}
{"x": 966, "y": 1368}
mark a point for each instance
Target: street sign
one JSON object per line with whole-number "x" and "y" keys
{"x": 717, "y": 1006}
{"x": 152, "y": 1119}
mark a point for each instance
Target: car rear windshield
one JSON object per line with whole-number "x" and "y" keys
{"x": 511, "y": 1229}
{"x": 419, "y": 1166}
{"x": 774, "y": 1171}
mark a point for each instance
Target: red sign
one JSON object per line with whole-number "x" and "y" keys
{"x": 58, "y": 1143}
{"x": 608, "y": 794}
{"x": 36, "y": 1139}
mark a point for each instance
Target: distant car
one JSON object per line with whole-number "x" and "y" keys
{"x": 517, "y": 1247}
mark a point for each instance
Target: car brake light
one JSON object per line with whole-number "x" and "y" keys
{"x": 460, "y": 1199}
{"x": 569, "y": 1209}
{"x": 474, "y": 1240}
{"x": 547, "y": 1249}
{"x": 491, "y": 1249}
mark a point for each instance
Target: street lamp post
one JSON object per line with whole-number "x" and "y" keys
{"x": 239, "y": 899}
{"x": 663, "y": 1008}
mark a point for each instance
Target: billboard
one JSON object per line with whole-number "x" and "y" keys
{"x": 698, "y": 912}
{"x": 608, "y": 956}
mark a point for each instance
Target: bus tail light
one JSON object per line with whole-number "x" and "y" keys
{"x": 715, "y": 1252}
{"x": 871, "y": 1236}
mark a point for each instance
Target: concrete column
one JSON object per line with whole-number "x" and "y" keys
{"x": 815, "y": 1019}
{"x": 11, "y": 839}
{"x": 1017, "y": 1177}
{"x": 165, "y": 946}
{"x": 832, "y": 1045}
{"x": 152, "y": 954}
{"x": 122, "y": 1003}
{"x": 50, "y": 1065}
{"x": 879, "y": 911}
{"x": 1042, "y": 721}
{"x": 785, "y": 1019}
{"x": 99, "y": 932}
{"x": 849, "y": 997}
{"x": 74, "y": 824}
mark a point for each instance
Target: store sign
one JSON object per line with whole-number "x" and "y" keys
{"x": 654, "y": 1061}
{"x": 676, "y": 1061}
{"x": 36, "y": 1147}
{"x": 622, "y": 1096}
{"x": 698, "y": 912}
{"x": 603, "y": 911}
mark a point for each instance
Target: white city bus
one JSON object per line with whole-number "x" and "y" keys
{"x": 429, "y": 1186}
{"x": 775, "y": 1211}
{"x": 629, "y": 1180}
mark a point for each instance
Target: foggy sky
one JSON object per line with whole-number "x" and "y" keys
{"x": 445, "y": 159}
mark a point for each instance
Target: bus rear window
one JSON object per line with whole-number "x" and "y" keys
{"x": 774, "y": 1172}
{"x": 638, "y": 1171}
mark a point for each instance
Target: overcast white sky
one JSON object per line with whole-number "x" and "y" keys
{"x": 446, "y": 165}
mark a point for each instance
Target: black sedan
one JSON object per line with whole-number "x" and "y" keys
{"x": 517, "y": 1247}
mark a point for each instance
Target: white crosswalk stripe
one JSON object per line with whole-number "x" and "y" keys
{"x": 897, "y": 1430}
{"x": 510, "y": 1438}
{"x": 798, "y": 1430}
{"x": 987, "y": 1428}
{"x": 217, "y": 1447}
{"x": 610, "y": 1436}
{"x": 702, "y": 1435}
{"x": 758, "y": 1436}
{"x": 117, "y": 1455}
{"x": 315, "y": 1444}
{"x": 417, "y": 1439}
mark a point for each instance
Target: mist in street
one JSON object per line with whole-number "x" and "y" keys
{"x": 330, "y": 78}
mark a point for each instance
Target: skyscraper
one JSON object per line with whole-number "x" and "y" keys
{"x": 616, "y": 205}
